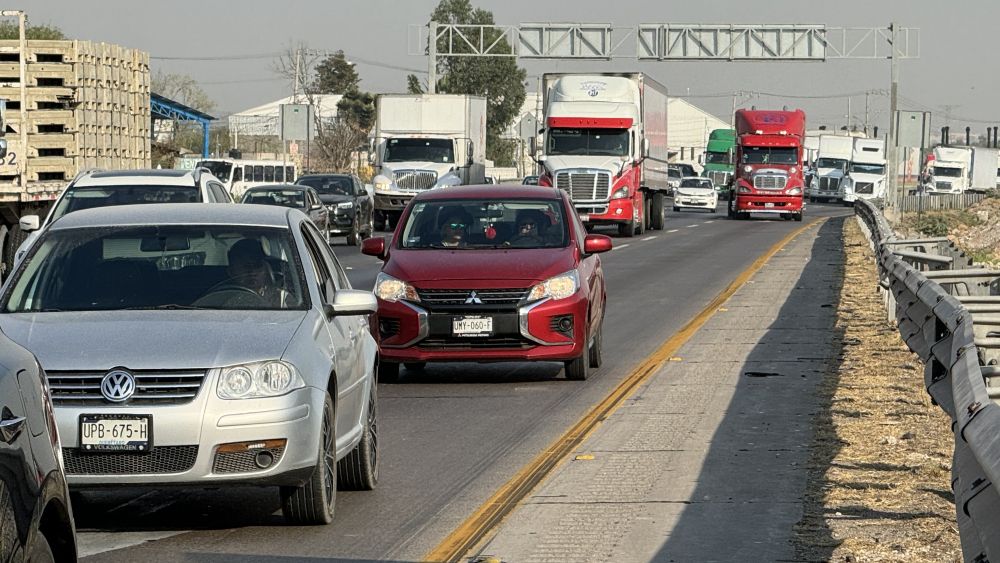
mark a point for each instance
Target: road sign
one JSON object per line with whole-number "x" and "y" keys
{"x": 913, "y": 129}
{"x": 296, "y": 122}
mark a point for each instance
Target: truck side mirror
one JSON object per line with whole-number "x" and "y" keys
{"x": 645, "y": 148}
{"x": 470, "y": 153}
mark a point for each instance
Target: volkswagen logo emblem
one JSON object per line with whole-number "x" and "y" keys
{"x": 473, "y": 299}
{"x": 118, "y": 386}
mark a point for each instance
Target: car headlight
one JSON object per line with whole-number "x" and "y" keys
{"x": 346, "y": 205}
{"x": 620, "y": 193}
{"x": 388, "y": 288}
{"x": 794, "y": 191}
{"x": 558, "y": 287}
{"x": 258, "y": 379}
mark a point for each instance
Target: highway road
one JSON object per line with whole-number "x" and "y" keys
{"x": 453, "y": 434}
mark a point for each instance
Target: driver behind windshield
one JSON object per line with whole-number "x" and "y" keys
{"x": 250, "y": 280}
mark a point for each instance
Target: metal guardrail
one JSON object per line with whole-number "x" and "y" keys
{"x": 951, "y": 319}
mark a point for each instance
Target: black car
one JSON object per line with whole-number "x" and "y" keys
{"x": 303, "y": 198}
{"x": 351, "y": 208}
{"x": 36, "y": 521}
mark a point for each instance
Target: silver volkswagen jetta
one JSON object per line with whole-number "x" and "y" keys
{"x": 202, "y": 345}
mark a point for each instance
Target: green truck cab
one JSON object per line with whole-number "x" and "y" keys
{"x": 718, "y": 159}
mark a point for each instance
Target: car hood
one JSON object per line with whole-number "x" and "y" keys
{"x": 696, "y": 191}
{"x": 100, "y": 340}
{"x": 490, "y": 267}
{"x": 335, "y": 198}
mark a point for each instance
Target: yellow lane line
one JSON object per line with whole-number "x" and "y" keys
{"x": 489, "y": 515}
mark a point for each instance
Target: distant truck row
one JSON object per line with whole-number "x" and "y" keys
{"x": 955, "y": 170}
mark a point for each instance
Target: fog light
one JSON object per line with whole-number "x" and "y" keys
{"x": 263, "y": 459}
{"x": 565, "y": 324}
{"x": 618, "y": 211}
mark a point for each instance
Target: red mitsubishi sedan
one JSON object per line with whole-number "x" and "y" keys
{"x": 486, "y": 274}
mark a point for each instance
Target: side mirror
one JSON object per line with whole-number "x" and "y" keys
{"x": 351, "y": 302}
{"x": 595, "y": 244}
{"x": 374, "y": 246}
{"x": 645, "y": 148}
{"x": 29, "y": 223}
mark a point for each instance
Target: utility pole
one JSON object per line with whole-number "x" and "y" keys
{"x": 848, "y": 114}
{"x": 893, "y": 102}
{"x": 432, "y": 49}
{"x": 732, "y": 116}
{"x": 867, "y": 95}
{"x": 295, "y": 81}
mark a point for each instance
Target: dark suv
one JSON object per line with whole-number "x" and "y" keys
{"x": 351, "y": 208}
{"x": 490, "y": 273}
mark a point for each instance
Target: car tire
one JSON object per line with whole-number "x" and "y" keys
{"x": 577, "y": 369}
{"x": 656, "y": 218}
{"x": 313, "y": 503}
{"x": 388, "y": 372}
{"x": 676, "y": 209}
{"x": 353, "y": 238}
{"x": 41, "y": 550}
{"x": 358, "y": 471}
{"x": 415, "y": 366}
{"x": 594, "y": 354}
{"x": 714, "y": 209}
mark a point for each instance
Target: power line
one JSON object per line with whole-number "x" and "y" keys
{"x": 219, "y": 57}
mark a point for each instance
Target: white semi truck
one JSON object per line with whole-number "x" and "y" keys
{"x": 948, "y": 173}
{"x": 425, "y": 141}
{"x": 866, "y": 177}
{"x": 605, "y": 144}
{"x": 832, "y": 158}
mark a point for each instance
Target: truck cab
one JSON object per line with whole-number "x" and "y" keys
{"x": 833, "y": 160}
{"x": 768, "y": 164}
{"x": 948, "y": 173}
{"x": 718, "y": 159}
{"x": 866, "y": 173}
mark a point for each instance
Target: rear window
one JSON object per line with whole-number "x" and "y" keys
{"x": 86, "y": 197}
{"x": 283, "y": 198}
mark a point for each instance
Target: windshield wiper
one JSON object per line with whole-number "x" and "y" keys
{"x": 166, "y": 307}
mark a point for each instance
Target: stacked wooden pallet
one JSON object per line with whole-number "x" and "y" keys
{"x": 87, "y": 106}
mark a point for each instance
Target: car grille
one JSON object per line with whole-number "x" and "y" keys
{"x": 415, "y": 179}
{"x": 943, "y": 186}
{"x": 243, "y": 462}
{"x": 162, "y": 459}
{"x": 153, "y": 387}
{"x": 864, "y": 187}
{"x": 503, "y": 298}
{"x": 585, "y": 186}
{"x": 474, "y": 344}
{"x": 829, "y": 184}
{"x": 770, "y": 182}
{"x": 718, "y": 177}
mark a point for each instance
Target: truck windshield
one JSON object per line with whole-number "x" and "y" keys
{"x": 868, "y": 168}
{"x": 770, "y": 155}
{"x": 596, "y": 142}
{"x": 831, "y": 163}
{"x": 218, "y": 168}
{"x": 420, "y": 150}
{"x": 947, "y": 172}
{"x": 717, "y": 158}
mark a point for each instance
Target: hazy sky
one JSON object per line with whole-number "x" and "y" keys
{"x": 957, "y": 72}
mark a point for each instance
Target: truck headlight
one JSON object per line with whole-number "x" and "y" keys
{"x": 748, "y": 169}
{"x": 382, "y": 182}
{"x": 793, "y": 191}
{"x": 558, "y": 287}
{"x": 259, "y": 379}
{"x": 620, "y": 193}
{"x": 388, "y": 288}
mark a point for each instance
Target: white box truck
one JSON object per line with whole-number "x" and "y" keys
{"x": 832, "y": 158}
{"x": 948, "y": 173}
{"x": 425, "y": 141}
{"x": 866, "y": 178}
{"x": 605, "y": 144}
{"x": 983, "y": 169}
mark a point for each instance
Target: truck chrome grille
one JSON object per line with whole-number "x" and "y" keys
{"x": 152, "y": 387}
{"x": 829, "y": 184}
{"x": 585, "y": 186}
{"x": 415, "y": 179}
{"x": 719, "y": 177}
{"x": 770, "y": 182}
{"x": 946, "y": 186}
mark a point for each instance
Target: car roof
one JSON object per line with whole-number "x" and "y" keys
{"x": 176, "y": 214}
{"x": 282, "y": 187}
{"x": 304, "y": 176}
{"x": 501, "y": 191}
{"x": 168, "y": 177}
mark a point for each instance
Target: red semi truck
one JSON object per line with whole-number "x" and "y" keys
{"x": 768, "y": 164}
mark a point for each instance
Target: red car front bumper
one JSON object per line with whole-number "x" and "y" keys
{"x": 545, "y": 330}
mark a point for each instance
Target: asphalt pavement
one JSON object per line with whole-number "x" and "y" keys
{"x": 454, "y": 433}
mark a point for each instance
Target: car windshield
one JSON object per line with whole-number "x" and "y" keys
{"x": 419, "y": 150}
{"x": 219, "y": 168}
{"x": 284, "y": 198}
{"x": 486, "y": 223}
{"x": 673, "y": 173}
{"x": 151, "y": 267}
{"x": 770, "y": 155}
{"x": 329, "y": 185}
{"x": 831, "y": 163}
{"x": 696, "y": 183}
{"x": 868, "y": 168}
{"x": 717, "y": 158}
{"x": 601, "y": 142}
{"x": 86, "y": 197}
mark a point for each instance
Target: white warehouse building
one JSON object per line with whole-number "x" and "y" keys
{"x": 688, "y": 127}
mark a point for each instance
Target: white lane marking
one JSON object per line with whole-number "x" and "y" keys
{"x": 621, "y": 246}
{"x": 92, "y": 543}
{"x": 692, "y": 226}
{"x": 673, "y": 230}
{"x": 709, "y": 222}
{"x": 650, "y": 238}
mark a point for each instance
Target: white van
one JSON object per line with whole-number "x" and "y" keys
{"x": 239, "y": 175}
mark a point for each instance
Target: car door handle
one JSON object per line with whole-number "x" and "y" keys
{"x": 10, "y": 428}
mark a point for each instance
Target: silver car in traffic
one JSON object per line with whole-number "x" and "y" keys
{"x": 202, "y": 345}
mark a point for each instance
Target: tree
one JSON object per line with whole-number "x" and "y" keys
{"x": 358, "y": 109}
{"x": 10, "y": 30}
{"x": 498, "y": 79}
{"x": 335, "y": 75}
{"x": 184, "y": 89}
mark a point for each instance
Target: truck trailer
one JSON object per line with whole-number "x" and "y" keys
{"x": 769, "y": 151}
{"x": 425, "y": 141}
{"x": 605, "y": 144}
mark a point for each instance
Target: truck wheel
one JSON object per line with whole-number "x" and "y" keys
{"x": 627, "y": 229}
{"x": 378, "y": 220}
{"x": 798, "y": 216}
{"x": 656, "y": 219}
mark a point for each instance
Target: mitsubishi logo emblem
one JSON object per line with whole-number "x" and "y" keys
{"x": 118, "y": 386}
{"x": 473, "y": 299}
